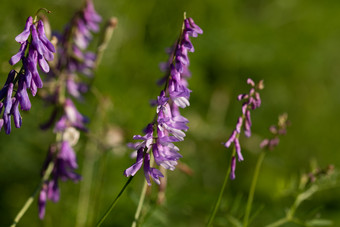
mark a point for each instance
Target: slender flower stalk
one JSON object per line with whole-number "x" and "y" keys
{"x": 35, "y": 49}
{"x": 168, "y": 125}
{"x": 266, "y": 144}
{"x": 251, "y": 101}
{"x": 310, "y": 183}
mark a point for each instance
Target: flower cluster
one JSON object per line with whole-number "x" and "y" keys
{"x": 276, "y": 131}
{"x": 64, "y": 161}
{"x": 75, "y": 39}
{"x": 251, "y": 101}
{"x": 169, "y": 125}
{"x": 72, "y": 59}
{"x": 35, "y": 49}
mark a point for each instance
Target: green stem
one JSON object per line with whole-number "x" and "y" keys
{"x": 252, "y": 188}
{"x": 140, "y": 204}
{"x": 217, "y": 204}
{"x": 114, "y": 202}
{"x": 279, "y": 222}
{"x": 85, "y": 189}
{"x": 31, "y": 198}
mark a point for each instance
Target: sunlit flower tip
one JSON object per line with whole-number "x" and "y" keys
{"x": 250, "y": 82}
{"x": 22, "y": 37}
{"x": 260, "y": 85}
{"x": 191, "y": 28}
{"x": 232, "y": 167}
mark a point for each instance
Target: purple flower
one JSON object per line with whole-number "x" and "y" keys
{"x": 71, "y": 118}
{"x": 65, "y": 164}
{"x": 169, "y": 126}
{"x": 39, "y": 50}
{"x": 251, "y": 102}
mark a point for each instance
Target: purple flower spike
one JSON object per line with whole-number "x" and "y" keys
{"x": 169, "y": 125}
{"x": 251, "y": 101}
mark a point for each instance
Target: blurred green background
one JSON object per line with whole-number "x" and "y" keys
{"x": 292, "y": 44}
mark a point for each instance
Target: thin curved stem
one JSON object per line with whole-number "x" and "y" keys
{"x": 114, "y": 202}
{"x": 252, "y": 189}
{"x": 279, "y": 222}
{"x": 31, "y": 198}
{"x": 217, "y": 204}
{"x": 140, "y": 205}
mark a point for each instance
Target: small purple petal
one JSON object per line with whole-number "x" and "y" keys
{"x": 7, "y": 123}
{"x": 36, "y": 43}
{"x": 132, "y": 170}
{"x": 22, "y": 37}
{"x": 238, "y": 150}
{"x": 16, "y": 114}
{"x": 42, "y": 201}
{"x": 231, "y": 139}
{"x": 239, "y": 125}
{"x": 251, "y": 82}
{"x": 8, "y": 100}
{"x": 43, "y": 38}
{"x": 18, "y": 56}
{"x": 43, "y": 64}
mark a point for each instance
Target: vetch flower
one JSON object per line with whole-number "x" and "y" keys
{"x": 251, "y": 101}
{"x": 72, "y": 60}
{"x": 64, "y": 164}
{"x": 33, "y": 51}
{"x": 169, "y": 126}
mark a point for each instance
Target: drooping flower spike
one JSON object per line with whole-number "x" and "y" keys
{"x": 73, "y": 60}
{"x": 251, "y": 101}
{"x": 169, "y": 125}
{"x": 35, "y": 49}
